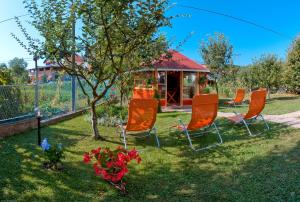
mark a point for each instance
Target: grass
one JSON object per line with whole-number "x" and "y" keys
{"x": 278, "y": 104}
{"x": 263, "y": 168}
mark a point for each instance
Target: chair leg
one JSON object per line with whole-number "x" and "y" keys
{"x": 207, "y": 147}
{"x": 123, "y": 133}
{"x": 156, "y": 137}
{"x": 218, "y": 133}
{"x": 266, "y": 124}
{"x": 248, "y": 129}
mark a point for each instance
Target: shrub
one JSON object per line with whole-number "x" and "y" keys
{"x": 110, "y": 114}
{"x": 112, "y": 165}
{"x": 54, "y": 154}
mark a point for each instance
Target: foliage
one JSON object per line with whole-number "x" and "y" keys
{"x": 54, "y": 154}
{"x": 44, "y": 78}
{"x": 111, "y": 165}
{"x": 18, "y": 70}
{"x": 111, "y": 114}
{"x": 125, "y": 84}
{"x": 115, "y": 37}
{"x": 216, "y": 53}
{"x": 3, "y": 66}
{"x": 292, "y": 74}
{"x": 206, "y": 90}
{"x": 266, "y": 71}
{"x": 157, "y": 97}
{"x": 5, "y": 76}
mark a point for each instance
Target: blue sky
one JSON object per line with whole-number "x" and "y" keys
{"x": 248, "y": 41}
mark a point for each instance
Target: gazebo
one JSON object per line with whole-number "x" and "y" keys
{"x": 178, "y": 79}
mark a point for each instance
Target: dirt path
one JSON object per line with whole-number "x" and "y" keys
{"x": 290, "y": 119}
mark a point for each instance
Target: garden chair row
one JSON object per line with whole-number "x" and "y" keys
{"x": 142, "y": 117}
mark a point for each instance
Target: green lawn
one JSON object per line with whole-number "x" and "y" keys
{"x": 264, "y": 168}
{"x": 278, "y": 104}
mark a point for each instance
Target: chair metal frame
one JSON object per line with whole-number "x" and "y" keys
{"x": 123, "y": 134}
{"x": 148, "y": 129}
{"x": 249, "y": 121}
{"x": 199, "y": 134}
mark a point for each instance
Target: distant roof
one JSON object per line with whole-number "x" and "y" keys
{"x": 180, "y": 62}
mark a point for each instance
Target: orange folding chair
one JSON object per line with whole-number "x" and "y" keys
{"x": 239, "y": 97}
{"x": 141, "y": 118}
{"x": 204, "y": 113}
{"x": 143, "y": 93}
{"x": 256, "y": 106}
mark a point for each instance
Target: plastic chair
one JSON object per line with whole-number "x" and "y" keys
{"x": 256, "y": 106}
{"x": 204, "y": 113}
{"x": 239, "y": 97}
{"x": 141, "y": 118}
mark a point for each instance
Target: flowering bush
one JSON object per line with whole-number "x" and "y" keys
{"x": 112, "y": 165}
{"x": 53, "y": 154}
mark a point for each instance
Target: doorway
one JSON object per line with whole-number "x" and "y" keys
{"x": 173, "y": 88}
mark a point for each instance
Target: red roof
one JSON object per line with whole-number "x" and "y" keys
{"x": 180, "y": 62}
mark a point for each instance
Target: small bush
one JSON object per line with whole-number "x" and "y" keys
{"x": 109, "y": 114}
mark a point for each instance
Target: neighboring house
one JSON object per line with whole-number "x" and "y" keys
{"x": 178, "y": 79}
{"x": 51, "y": 71}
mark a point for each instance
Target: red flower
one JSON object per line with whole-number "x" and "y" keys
{"x": 86, "y": 158}
{"x": 133, "y": 154}
{"x": 138, "y": 159}
{"x": 96, "y": 151}
{"x": 111, "y": 165}
{"x": 97, "y": 169}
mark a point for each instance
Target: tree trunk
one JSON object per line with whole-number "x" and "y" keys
{"x": 95, "y": 122}
{"x": 121, "y": 94}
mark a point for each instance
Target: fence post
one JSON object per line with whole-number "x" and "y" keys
{"x": 73, "y": 94}
{"x": 36, "y": 98}
{"x": 73, "y": 64}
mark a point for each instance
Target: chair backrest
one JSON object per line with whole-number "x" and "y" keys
{"x": 141, "y": 114}
{"x": 143, "y": 93}
{"x": 257, "y": 103}
{"x": 240, "y": 95}
{"x": 204, "y": 111}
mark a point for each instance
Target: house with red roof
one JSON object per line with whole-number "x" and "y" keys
{"x": 178, "y": 79}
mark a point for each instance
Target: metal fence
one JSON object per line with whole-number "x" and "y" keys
{"x": 54, "y": 98}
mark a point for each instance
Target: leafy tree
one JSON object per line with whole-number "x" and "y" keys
{"x": 115, "y": 37}
{"x": 292, "y": 74}
{"x": 267, "y": 71}
{"x": 216, "y": 53}
{"x": 18, "y": 70}
{"x": 246, "y": 78}
{"x": 5, "y": 76}
{"x": 3, "y": 66}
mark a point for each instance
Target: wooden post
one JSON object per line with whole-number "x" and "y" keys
{"x": 166, "y": 86}
{"x": 181, "y": 88}
{"x": 197, "y": 89}
{"x": 166, "y": 94}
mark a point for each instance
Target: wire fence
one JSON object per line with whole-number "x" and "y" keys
{"x": 54, "y": 99}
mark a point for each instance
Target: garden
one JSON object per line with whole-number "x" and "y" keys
{"x": 135, "y": 134}
{"x": 244, "y": 168}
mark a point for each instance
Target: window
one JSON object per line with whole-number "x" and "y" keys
{"x": 189, "y": 85}
{"x": 161, "y": 80}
